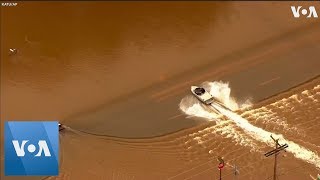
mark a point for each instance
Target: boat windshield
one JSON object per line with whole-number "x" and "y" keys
{"x": 199, "y": 91}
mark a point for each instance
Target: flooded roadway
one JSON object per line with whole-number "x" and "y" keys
{"x": 121, "y": 69}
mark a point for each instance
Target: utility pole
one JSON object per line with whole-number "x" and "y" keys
{"x": 275, "y": 160}
{"x": 276, "y": 151}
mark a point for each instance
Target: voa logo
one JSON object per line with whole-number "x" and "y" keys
{"x": 309, "y": 12}
{"x": 42, "y": 147}
{"x": 31, "y": 148}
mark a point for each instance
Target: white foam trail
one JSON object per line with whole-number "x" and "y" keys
{"x": 222, "y": 91}
{"x": 191, "y": 106}
{"x": 264, "y": 136}
{"x": 218, "y": 89}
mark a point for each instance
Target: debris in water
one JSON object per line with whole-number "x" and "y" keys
{"x": 13, "y": 51}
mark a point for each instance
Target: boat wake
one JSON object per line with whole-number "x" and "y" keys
{"x": 192, "y": 107}
{"x": 221, "y": 91}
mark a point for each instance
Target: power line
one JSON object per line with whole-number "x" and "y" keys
{"x": 275, "y": 152}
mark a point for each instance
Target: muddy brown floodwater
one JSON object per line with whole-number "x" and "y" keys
{"x": 115, "y": 72}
